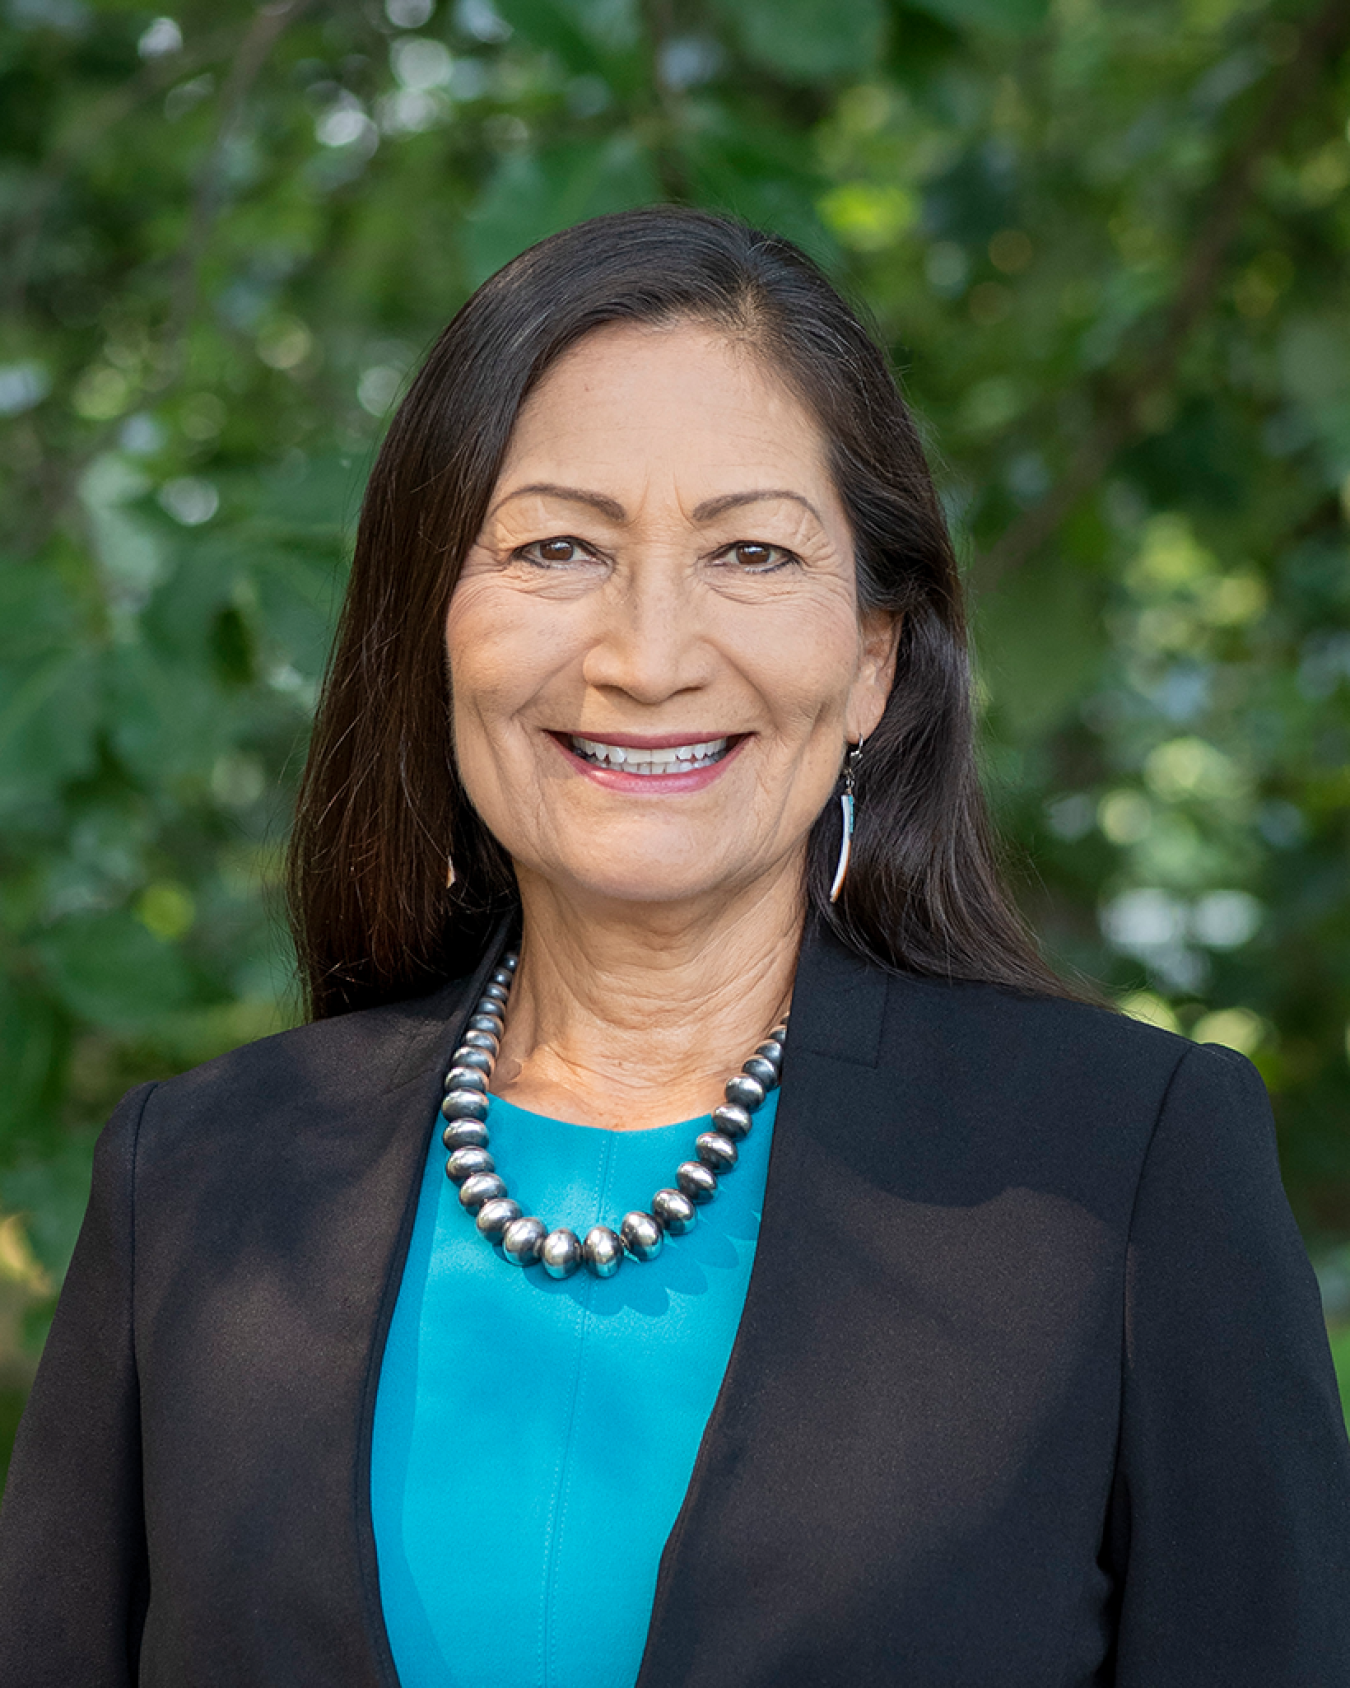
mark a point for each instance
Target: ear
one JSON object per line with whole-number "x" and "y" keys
{"x": 880, "y": 643}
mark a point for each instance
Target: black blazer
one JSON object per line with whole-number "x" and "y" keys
{"x": 1031, "y": 1389}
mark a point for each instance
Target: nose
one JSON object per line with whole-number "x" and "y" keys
{"x": 649, "y": 641}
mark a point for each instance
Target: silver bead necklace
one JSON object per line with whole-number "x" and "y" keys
{"x": 526, "y": 1240}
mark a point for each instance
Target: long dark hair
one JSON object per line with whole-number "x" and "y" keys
{"x": 381, "y": 806}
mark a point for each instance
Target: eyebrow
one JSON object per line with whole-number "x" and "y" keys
{"x": 713, "y": 507}
{"x": 708, "y": 511}
{"x": 570, "y": 494}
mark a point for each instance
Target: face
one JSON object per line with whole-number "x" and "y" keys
{"x": 657, "y": 660}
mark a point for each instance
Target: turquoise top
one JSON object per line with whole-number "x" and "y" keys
{"x": 534, "y": 1439}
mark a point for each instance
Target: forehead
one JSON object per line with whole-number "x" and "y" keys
{"x": 686, "y": 398}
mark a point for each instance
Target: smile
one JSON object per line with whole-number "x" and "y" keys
{"x": 644, "y": 760}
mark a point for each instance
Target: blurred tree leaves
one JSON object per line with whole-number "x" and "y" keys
{"x": 1107, "y": 245}
{"x": 1000, "y": 17}
{"x": 807, "y": 40}
{"x": 553, "y": 189}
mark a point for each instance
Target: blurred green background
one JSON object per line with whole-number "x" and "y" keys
{"x": 1109, "y": 246}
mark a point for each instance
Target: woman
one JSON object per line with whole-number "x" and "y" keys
{"x": 1029, "y": 1385}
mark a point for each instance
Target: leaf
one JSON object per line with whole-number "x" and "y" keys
{"x": 51, "y": 1193}
{"x": 48, "y": 714}
{"x": 531, "y": 195}
{"x": 745, "y": 164}
{"x": 580, "y": 32}
{"x": 110, "y": 971}
{"x": 808, "y": 40}
{"x": 297, "y": 603}
{"x": 34, "y": 1036}
{"x": 36, "y": 615}
{"x": 999, "y": 17}
{"x": 168, "y": 720}
{"x": 1039, "y": 642}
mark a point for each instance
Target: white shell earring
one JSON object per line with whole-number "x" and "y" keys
{"x": 846, "y": 806}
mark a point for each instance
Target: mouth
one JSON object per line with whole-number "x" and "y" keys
{"x": 650, "y": 761}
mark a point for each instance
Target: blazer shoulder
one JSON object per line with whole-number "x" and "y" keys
{"x": 1084, "y": 1072}
{"x": 1055, "y": 1034}
{"x": 987, "y": 1043}
{"x": 329, "y": 1064}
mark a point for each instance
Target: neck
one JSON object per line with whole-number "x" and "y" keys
{"x": 634, "y": 1016}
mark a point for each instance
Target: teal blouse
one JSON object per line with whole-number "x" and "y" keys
{"x": 533, "y": 1439}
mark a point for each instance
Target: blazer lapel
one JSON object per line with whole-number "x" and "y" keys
{"x": 276, "y": 1194}
{"x": 838, "y": 1006}
{"x": 432, "y": 1031}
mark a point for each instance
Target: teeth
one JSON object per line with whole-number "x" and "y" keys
{"x": 677, "y": 759}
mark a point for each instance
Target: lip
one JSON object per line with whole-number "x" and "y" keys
{"x": 655, "y": 785}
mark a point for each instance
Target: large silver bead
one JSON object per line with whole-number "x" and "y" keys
{"x": 493, "y": 992}
{"x": 642, "y": 1235}
{"x": 560, "y": 1253}
{"x": 479, "y": 1058}
{"x": 496, "y": 1215}
{"x": 602, "y": 1251}
{"x": 465, "y": 1134}
{"x": 718, "y": 1153}
{"x": 503, "y": 977}
{"x": 466, "y": 1163}
{"x": 697, "y": 1181}
{"x": 522, "y": 1239}
{"x": 772, "y": 1050}
{"x": 482, "y": 1040}
{"x": 466, "y": 1078}
{"x": 482, "y": 1188}
{"x": 732, "y": 1121}
{"x": 486, "y": 1023}
{"x": 465, "y": 1104}
{"x": 757, "y": 1067}
{"x": 779, "y": 1032}
{"x": 746, "y": 1092}
{"x": 675, "y": 1211}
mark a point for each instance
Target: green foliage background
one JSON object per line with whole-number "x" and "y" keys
{"x": 1109, "y": 245}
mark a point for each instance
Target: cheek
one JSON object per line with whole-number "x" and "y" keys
{"x": 483, "y": 701}
{"x": 489, "y": 652}
{"x": 807, "y": 670}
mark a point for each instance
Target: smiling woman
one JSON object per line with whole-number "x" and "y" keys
{"x": 655, "y": 643}
{"x": 610, "y": 395}
{"x": 898, "y": 1314}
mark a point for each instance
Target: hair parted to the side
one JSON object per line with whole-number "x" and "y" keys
{"x": 381, "y": 806}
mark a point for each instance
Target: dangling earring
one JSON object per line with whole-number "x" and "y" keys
{"x": 846, "y": 805}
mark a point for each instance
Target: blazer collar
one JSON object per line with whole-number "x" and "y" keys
{"x": 838, "y": 1001}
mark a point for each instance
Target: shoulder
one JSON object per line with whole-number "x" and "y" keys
{"x": 1004, "y": 1060}
{"x": 1054, "y": 1043}
{"x": 330, "y": 1068}
{"x": 1059, "y": 1092}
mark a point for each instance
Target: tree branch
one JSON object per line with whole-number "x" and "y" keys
{"x": 1119, "y": 420}
{"x": 268, "y": 23}
{"x": 104, "y": 114}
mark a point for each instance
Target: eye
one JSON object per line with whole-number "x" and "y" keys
{"x": 757, "y": 557}
{"x": 554, "y": 553}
